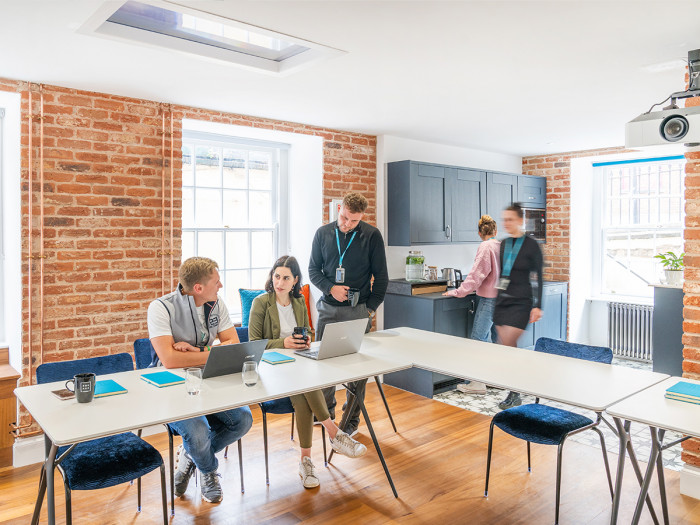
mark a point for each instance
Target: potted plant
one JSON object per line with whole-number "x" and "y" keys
{"x": 673, "y": 267}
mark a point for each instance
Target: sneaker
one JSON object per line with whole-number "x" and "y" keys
{"x": 211, "y": 488}
{"x": 513, "y": 400}
{"x": 345, "y": 445}
{"x": 473, "y": 387}
{"x": 307, "y": 472}
{"x": 351, "y": 430}
{"x": 183, "y": 471}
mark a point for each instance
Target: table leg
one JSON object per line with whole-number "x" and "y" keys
{"x": 640, "y": 479}
{"x": 655, "y": 452}
{"x": 49, "y": 465}
{"x": 623, "y": 435}
{"x": 662, "y": 481}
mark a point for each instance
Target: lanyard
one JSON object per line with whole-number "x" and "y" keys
{"x": 510, "y": 253}
{"x": 337, "y": 240}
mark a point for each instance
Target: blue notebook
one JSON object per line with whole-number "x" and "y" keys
{"x": 164, "y": 378}
{"x": 108, "y": 387}
{"x": 275, "y": 358}
{"x": 693, "y": 400}
{"x": 684, "y": 389}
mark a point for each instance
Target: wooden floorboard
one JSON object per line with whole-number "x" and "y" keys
{"x": 437, "y": 459}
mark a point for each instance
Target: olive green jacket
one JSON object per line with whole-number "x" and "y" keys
{"x": 264, "y": 322}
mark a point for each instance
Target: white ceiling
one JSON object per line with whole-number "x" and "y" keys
{"x": 518, "y": 77}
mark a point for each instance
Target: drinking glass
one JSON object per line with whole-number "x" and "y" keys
{"x": 193, "y": 380}
{"x": 250, "y": 373}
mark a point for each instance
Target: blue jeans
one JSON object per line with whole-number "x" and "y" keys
{"x": 204, "y": 436}
{"x": 483, "y": 328}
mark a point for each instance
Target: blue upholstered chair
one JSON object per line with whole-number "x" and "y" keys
{"x": 548, "y": 425}
{"x": 247, "y": 298}
{"x": 102, "y": 462}
{"x": 144, "y": 353}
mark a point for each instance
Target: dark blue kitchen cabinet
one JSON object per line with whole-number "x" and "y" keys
{"x": 553, "y": 322}
{"x": 501, "y": 192}
{"x": 468, "y": 190}
{"x": 532, "y": 191}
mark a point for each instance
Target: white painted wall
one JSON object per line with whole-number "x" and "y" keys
{"x": 391, "y": 149}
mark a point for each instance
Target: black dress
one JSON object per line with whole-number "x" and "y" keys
{"x": 513, "y": 305}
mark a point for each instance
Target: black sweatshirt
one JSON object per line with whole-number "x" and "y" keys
{"x": 529, "y": 259}
{"x": 364, "y": 259}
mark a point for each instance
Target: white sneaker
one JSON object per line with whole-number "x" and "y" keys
{"x": 473, "y": 387}
{"x": 307, "y": 472}
{"x": 345, "y": 445}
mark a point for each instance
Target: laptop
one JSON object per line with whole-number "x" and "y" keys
{"x": 339, "y": 339}
{"x": 229, "y": 359}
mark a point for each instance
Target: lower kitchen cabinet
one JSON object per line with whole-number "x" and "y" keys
{"x": 553, "y": 322}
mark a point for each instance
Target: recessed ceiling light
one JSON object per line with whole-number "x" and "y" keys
{"x": 167, "y": 25}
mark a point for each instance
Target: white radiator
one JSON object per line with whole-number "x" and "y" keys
{"x": 629, "y": 330}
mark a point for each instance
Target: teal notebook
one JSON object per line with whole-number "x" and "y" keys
{"x": 684, "y": 389}
{"x": 684, "y": 399}
{"x": 108, "y": 387}
{"x": 275, "y": 358}
{"x": 164, "y": 378}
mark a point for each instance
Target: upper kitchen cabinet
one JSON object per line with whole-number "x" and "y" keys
{"x": 433, "y": 204}
{"x": 532, "y": 191}
{"x": 501, "y": 191}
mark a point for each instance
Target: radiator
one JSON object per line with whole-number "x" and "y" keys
{"x": 629, "y": 330}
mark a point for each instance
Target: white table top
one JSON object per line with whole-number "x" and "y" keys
{"x": 652, "y": 408}
{"x": 67, "y": 422}
{"x": 589, "y": 385}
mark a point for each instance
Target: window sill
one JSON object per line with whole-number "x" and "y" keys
{"x": 613, "y": 298}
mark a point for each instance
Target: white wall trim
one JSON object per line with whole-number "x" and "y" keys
{"x": 690, "y": 481}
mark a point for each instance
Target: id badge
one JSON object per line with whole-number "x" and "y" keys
{"x": 340, "y": 275}
{"x": 503, "y": 283}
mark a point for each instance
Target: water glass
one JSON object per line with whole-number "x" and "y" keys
{"x": 193, "y": 380}
{"x": 250, "y": 373}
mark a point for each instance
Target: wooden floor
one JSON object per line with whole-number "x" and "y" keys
{"x": 437, "y": 459}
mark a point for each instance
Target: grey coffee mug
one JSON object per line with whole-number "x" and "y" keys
{"x": 83, "y": 386}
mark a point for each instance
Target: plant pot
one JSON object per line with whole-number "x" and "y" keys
{"x": 674, "y": 277}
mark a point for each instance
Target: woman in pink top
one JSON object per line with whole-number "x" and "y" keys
{"x": 482, "y": 279}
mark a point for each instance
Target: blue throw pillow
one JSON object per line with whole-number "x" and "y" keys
{"x": 247, "y": 297}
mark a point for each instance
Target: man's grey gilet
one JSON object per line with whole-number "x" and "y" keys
{"x": 184, "y": 321}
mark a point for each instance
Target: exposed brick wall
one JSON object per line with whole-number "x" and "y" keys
{"x": 104, "y": 165}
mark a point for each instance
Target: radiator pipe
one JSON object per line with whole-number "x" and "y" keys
{"x": 172, "y": 196}
{"x": 162, "y": 214}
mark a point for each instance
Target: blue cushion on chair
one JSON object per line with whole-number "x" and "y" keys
{"x": 247, "y": 297}
{"x": 539, "y": 423}
{"x": 277, "y": 406}
{"x": 598, "y": 354}
{"x": 64, "y": 370}
{"x": 242, "y": 332}
{"x": 109, "y": 461}
{"x": 144, "y": 353}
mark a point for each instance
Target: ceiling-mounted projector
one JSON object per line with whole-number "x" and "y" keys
{"x": 673, "y": 124}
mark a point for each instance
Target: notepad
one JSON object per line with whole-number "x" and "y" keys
{"x": 683, "y": 389}
{"x": 164, "y": 378}
{"x": 695, "y": 401}
{"x": 108, "y": 387}
{"x": 275, "y": 358}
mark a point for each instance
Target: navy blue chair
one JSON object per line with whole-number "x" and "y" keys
{"x": 102, "y": 462}
{"x": 145, "y": 355}
{"x": 548, "y": 425}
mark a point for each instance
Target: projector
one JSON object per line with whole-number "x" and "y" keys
{"x": 680, "y": 125}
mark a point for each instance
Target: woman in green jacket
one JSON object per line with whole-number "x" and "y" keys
{"x": 273, "y": 316}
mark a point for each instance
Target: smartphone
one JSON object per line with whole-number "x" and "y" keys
{"x": 63, "y": 394}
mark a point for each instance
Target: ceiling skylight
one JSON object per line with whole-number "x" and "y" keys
{"x": 165, "y": 24}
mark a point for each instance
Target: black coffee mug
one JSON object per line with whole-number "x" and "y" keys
{"x": 353, "y": 296}
{"x": 299, "y": 332}
{"x": 84, "y": 387}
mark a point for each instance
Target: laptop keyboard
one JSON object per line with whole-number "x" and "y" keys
{"x": 313, "y": 354}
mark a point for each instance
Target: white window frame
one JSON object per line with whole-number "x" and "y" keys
{"x": 601, "y": 227}
{"x": 280, "y": 207}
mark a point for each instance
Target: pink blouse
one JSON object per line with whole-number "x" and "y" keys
{"x": 484, "y": 274}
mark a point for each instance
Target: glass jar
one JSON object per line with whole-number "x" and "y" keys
{"x": 414, "y": 265}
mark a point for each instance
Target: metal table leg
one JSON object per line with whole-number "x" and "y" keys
{"x": 655, "y": 461}
{"x": 655, "y": 452}
{"x": 49, "y": 465}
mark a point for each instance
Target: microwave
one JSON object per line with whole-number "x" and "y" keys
{"x": 535, "y": 223}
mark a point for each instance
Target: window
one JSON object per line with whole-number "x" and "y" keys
{"x": 231, "y": 211}
{"x": 642, "y": 215}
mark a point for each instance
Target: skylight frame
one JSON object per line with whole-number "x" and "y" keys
{"x": 98, "y": 25}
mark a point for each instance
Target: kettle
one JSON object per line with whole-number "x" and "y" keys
{"x": 450, "y": 275}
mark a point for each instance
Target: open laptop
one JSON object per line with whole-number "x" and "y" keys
{"x": 229, "y": 359}
{"x": 339, "y": 339}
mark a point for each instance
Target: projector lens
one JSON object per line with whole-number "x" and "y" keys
{"x": 674, "y": 128}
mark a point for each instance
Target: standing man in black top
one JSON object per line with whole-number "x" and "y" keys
{"x": 345, "y": 256}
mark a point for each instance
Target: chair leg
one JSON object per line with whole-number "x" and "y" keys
{"x": 488, "y": 460}
{"x": 386, "y": 405}
{"x": 529, "y": 466}
{"x": 163, "y": 493}
{"x": 605, "y": 460}
{"x": 240, "y": 463}
{"x": 69, "y": 508}
{"x": 292, "y": 438}
{"x": 560, "y": 449}
{"x": 138, "y": 490}
{"x": 323, "y": 438}
{"x": 267, "y": 469}
{"x": 172, "y": 474}
{"x": 226, "y": 452}
{"x": 40, "y": 495}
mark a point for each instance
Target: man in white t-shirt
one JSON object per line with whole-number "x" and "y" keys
{"x": 182, "y": 326}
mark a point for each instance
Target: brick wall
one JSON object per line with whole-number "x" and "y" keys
{"x": 105, "y": 165}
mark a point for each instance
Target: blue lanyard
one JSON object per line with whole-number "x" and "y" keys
{"x": 337, "y": 240}
{"x": 510, "y": 253}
